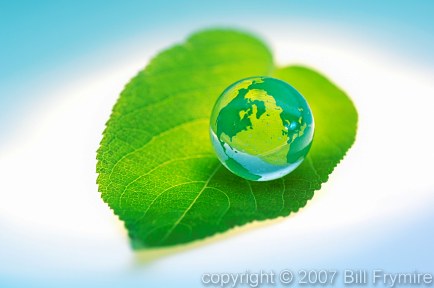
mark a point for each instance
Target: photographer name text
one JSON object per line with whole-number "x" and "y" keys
{"x": 325, "y": 277}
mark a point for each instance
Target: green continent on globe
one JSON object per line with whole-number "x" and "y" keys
{"x": 261, "y": 128}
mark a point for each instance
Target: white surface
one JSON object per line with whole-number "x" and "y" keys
{"x": 55, "y": 226}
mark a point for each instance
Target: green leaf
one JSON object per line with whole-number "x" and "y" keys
{"x": 156, "y": 166}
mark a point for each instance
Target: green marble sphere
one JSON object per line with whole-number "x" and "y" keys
{"x": 261, "y": 128}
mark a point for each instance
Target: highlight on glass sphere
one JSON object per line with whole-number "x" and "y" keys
{"x": 261, "y": 128}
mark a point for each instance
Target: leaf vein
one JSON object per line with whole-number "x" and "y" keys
{"x": 253, "y": 195}
{"x": 155, "y": 137}
{"x": 199, "y": 156}
{"x": 160, "y": 194}
{"x": 228, "y": 206}
{"x": 191, "y": 205}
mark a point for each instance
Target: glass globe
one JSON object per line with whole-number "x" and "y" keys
{"x": 261, "y": 128}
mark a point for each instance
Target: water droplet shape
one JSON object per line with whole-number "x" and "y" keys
{"x": 261, "y": 128}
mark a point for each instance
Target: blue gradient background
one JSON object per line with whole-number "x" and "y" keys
{"x": 39, "y": 39}
{"x": 39, "y": 36}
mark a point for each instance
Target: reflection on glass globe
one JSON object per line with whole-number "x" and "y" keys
{"x": 261, "y": 128}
